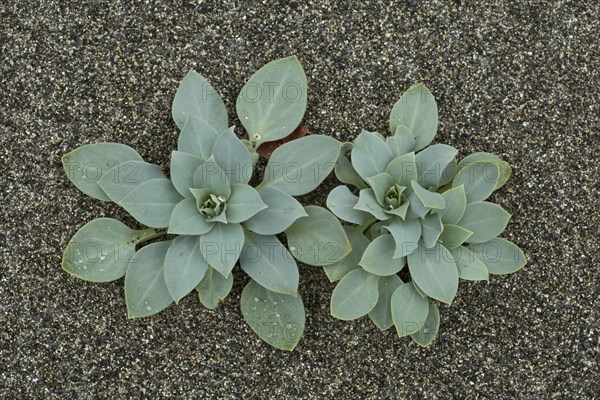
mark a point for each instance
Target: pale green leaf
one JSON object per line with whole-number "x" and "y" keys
{"x": 196, "y": 97}
{"x": 381, "y": 184}
{"x": 431, "y": 229}
{"x": 184, "y": 266}
{"x": 503, "y": 166}
{"x": 428, "y": 199}
{"x": 486, "y": 221}
{"x": 449, "y": 173}
{"x": 416, "y": 110}
{"x": 381, "y": 315}
{"x": 146, "y": 292}
{"x": 416, "y": 209}
{"x": 299, "y": 166}
{"x": 453, "y": 236}
{"x": 183, "y": 166}
{"x": 282, "y": 210}
{"x": 403, "y": 169}
{"x": 210, "y": 176}
{"x": 409, "y": 310}
{"x": 276, "y": 318}
{"x": 379, "y": 259}
{"x": 456, "y": 203}
{"x": 187, "y": 220}
{"x": 88, "y": 163}
{"x": 401, "y": 142}
{"x": 222, "y": 246}
{"x": 317, "y": 239}
{"x": 120, "y": 180}
{"x": 431, "y": 163}
{"x": 344, "y": 171}
{"x": 500, "y": 256}
{"x": 341, "y": 202}
{"x": 233, "y": 157}
{"x": 430, "y": 327}
{"x": 197, "y": 138}
{"x": 479, "y": 180}
{"x": 370, "y": 154}
{"x": 470, "y": 267}
{"x": 213, "y": 288}
{"x": 269, "y": 263}
{"x": 243, "y": 203}
{"x": 355, "y": 295}
{"x": 434, "y": 270}
{"x": 367, "y": 202}
{"x": 406, "y": 235}
{"x": 358, "y": 242}
{"x": 152, "y": 202}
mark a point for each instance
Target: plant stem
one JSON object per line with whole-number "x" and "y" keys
{"x": 148, "y": 234}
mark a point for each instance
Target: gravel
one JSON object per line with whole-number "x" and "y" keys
{"x": 520, "y": 79}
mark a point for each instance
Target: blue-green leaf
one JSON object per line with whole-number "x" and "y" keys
{"x": 406, "y": 235}
{"x": 197, "y": 138}
{"x": 88, "y": 163}
{"x": 416, "y": 110}
{"x": 432, "y": 162}
{"x": 381, "y": 184}
{"x": 416, "y": 209}
{"x": 233, "y": 157}
{"x": 470, "y": 267}
{"x": 431, "y": 229}
{"x": 341, "y": 202}
{"x": 434, "y": 270}
{"x": 213, "y": 288}
{"x": 187, "y": 220}
{"x": 403, "y": 169}
{"x": 152, "y": 202}
{"x": 344, "y": 171}
{"x": 453, "y": 236}
{"x": 370, "y": 155}
{"x": 428, "y": 199}
{"x": 222, "y": 246}
{"x": 120, "y": 180}
{"x": 196, "y": 97}
{"x": 183, "y": 166}
{"x": 243, "y": 203}
{"x": 381, "y": 315}
{"x": 282, "y": 210}
{"x": 409, "y": 309}
{"x": 486, "y": 221}
{"x": 355, "y": 295}
{"x": 456, "y": 203}
{"x": 210, "y": 176}
{"x": 368, "y": 202}
{"x": 272, "y": 103}
{"x": 379, "y": 259}
{"x": 184, "y": 266}
{"x": 430, "y": 327}
{"x": 503, "y": 166}
{"x": 146, "y": 292}
{"x": 401, "y": 142}
{"x": 479, "y": 180}
{"x": 276, "y": 318}
{"x": 358, "y": 242}
{"x": 500, "y": 256}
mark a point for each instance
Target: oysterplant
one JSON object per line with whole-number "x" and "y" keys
{"x": 213, "y": 217}
{"x": 419, "y": 220}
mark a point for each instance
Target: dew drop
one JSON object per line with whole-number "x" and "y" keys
{"x": 253, "y": 308}
{"x": 257, "y": 136}
{"x": 256, "y": 299}
{"x": 246, "y": 117}
{"x": 425, "y": 330}
{"x": 292, "y": 248}
{"x": 288, "y": 326}
{"x": 85, "y": 267}
{"x": 277, "y": 315}
{"x": 148, "y": 308}
{"x": 102, "y": 258}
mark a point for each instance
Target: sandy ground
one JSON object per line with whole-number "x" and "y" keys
{"x": 517, "y": 78}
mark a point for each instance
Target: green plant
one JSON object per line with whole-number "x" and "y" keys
{"x": 208, "y": 202}
{"x": 416, "y": 207}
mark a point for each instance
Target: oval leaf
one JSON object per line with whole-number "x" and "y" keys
{"x": 355, "y": 295}
{"x": 243, "y": 203}
{"x": 187, "y": 220}
{"x": 152, "y": 202}
{"x": 222, "y": 246}
{"x": 341, "y": 202}
{"x": 470, "y": 267}
{"x": 430, "y": 327}
{"x": 409, "y": 310}
{"x": 233, "y": 157}
{"x": 379, "y": 259}
{"x": 486, "y": 221}
{"x": 370, "y": 155}
{"x": 500, "y": 256}
{"x": 406, "y": 235}
{"x": 381, "y": 315}
{"x": 120, "y": 180}
{"x": 432, "y": 162}
{"x": 213, "y": 288}
{"x": 402, "y": 142}
{"x": 431, "y": 229}
{"x": 344, "y": 171}
{"x": 184, "y": 266}
{"x": 503, "y": 166}
{"x": 282, "y": 210}
{"x": 479, "y": 180}
{"x": 456, "y": 203}
{"x": 358, "y": 242}
{"x": 434, "y": 270}
{"x": 183, "y": 166}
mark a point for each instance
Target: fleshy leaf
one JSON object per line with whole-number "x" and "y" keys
{"x": 406, "y": 235}
{"x": 380, "y": 184}
{"x": 379, "y": 259}
{"x": 418, "y": 111}
{"x": 503, "y": 166}
{"x": 344, "y": 171}
{"x": 196, "y": 97}
{"x": 282, "y": 210}
{"x": 222, "y": 246}
{"x": 233, "y": 157}
{"x": 453, "y": 236}
{"x": 358, "y": 242}
{"x": 269, "y": 263}
{"x": 197, "y": 139}
{"x": 213, "y": 288}
{"x": 416, "y": 209}
{"x": 152, "y": 202}
{"x": 187, "y": 220}
{"x": 500, "y": 256}
{"x": 243, "y": 203}
{"x": 272, "y": 103}
{"x": 449, "y": 173}
{"x": 430, "y": 327}
{"x": 146, "y": 292}
{"x": 486, "y": 221}
{"x": 409, "y": 310}
{"x": 367, "y": 202}
{"x": 402, "y": 142}
{"x": 470, "y": 267}
{"x": 431, "y": 163}
{"x": 184, "y": 266}
{"x": 276, "y": 318}
{"x": 403, "y": 169}
{"x": 120, "y": 180}
{"x": 431, "y": 229}
{"x": 434, "y": 270}
{"x": 370, "y": 154}
{"x": 341, "y": 202}
{"x": 381, "y": 315}
{"x": 429, "y": 199}
{"x": 355, "y": 295}
{"x": 479, "y": 180}
{"x": 101, "y": 249}
{"x": 317, "y": 239}
{"x": 88, "y": 163}
{"x": 210, "y": 176}
{"x": 183, "y": 166}
{"x": 299, "y": 166}
{"x": 456, "y": 203}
